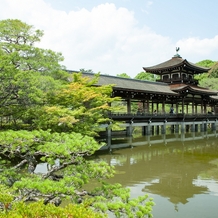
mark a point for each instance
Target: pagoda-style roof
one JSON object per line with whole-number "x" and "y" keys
{"x": 175, "y": 63}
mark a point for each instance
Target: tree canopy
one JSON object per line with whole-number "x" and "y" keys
{"x": 25, "y": 70}
{"x": 213, "y": 73}
{"x": 206, "y": 63}
{"x": 145, "y": 76}
{"x": 208, "y": 80}
{"x": 124, "y": 75}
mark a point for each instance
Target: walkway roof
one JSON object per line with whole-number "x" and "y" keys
{"x": 135, "y": 85}
{"x": 142, "y": 86}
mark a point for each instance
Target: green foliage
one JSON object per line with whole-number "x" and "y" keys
{"x": 206, "y": 63}
{"x": 77, "y": 106}
{"x": 213, "y": 73}
{"x": 203, "y": 77}
{"x": 124, "y": 75}
{"x": 146, "y": 76}
{"x": 210, "y": 83}
{"x": 5, "y": 197}
{"x": 82, "y": 70}
{"x": 208, "y": 80}
{"x": 39, "y": 209}
{"x": 23, "y": 69}
{"x": 65, "y": 177}
{"x": 117, "y": 199}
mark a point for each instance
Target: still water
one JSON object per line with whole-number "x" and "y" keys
{"x": 180, "y": 172}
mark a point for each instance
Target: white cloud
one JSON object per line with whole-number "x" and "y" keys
{"x": 105, "y": 39}
{"x": 149, "y": 3}
{"x": 199, "y": 49}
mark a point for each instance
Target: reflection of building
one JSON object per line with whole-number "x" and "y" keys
{"x": 169, "y": 171}
{"x": 175, "y": 187}
{"x": 120, "y": 141}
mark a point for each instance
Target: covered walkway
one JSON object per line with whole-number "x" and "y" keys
{"x": 175, "y": 99}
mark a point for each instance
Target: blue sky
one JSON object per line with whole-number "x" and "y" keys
{"x": 121, "y": 36}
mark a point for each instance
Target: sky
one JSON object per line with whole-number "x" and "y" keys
{"x": 121, "y": 36}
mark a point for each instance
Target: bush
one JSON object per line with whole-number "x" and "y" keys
{"x": 38, "y": 209}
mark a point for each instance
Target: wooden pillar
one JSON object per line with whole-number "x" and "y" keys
{"x": 187, "y": 109}
{"x": 202, "y": 108}
{"x": 205, "y": 127}
{"x": 163, "y": 128}
{"x": 193, "y": 127}
{"x": 182, "y": 104}
{"x": 163, "y": 107}
{"x": 196, "y": 127}
{"x": 196, "y": 108}
{"x": 202, "y": 126}
{"x": 129, "y": 106}
{"x": 176, "y": 128}
{"x": 129, "y": 130}
{"x": 157, "y": 130}
{"x": 144, "y": 130}
{"x": 108, "y": 141}
{"x": 108, "y": 131}
{"x": 182, "y": 127}
{"x": 172, "y": 128}
{"x": 152, "y": 130}
{"x": 148, "y": 105}
{"x": 205, "y": 108}
{"x": 187, "y": 127}
{"x": 149, "y": 129}
{"x": 157, "y": 105}
{"x": 177, "y": 108}
{"x": 213, "y": 107}
{"x": 193, "y": 105}
{"x": 143, "y": 106}
{"x": 213, "y": 126}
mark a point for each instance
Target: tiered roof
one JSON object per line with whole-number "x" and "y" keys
{"x": 175, "y": 63}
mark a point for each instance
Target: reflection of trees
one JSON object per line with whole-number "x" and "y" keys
{"x": 172, "y": 167}
{"x": 211, "y": 173}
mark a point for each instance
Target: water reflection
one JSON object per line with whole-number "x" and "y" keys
{"x": 179, "y": 168}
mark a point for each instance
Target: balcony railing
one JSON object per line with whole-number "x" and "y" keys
{"x": 179, "y": 80}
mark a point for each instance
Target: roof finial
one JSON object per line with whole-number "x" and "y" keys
{"x": 177, "y": 49}
{"x": 177, "y": 55}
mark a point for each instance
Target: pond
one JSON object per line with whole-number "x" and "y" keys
{"x": 180, "y": 172}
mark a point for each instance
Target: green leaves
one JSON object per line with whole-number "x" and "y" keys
{"x": 146, "y": 76}
{"x": 56, "y": 145}
{"x": 5, "y": 196}
{"x": 118, "y": 200}
{"x": 206, "y": 63}
{"x": 77, "y": 107}
{"x": 38, "y": 209}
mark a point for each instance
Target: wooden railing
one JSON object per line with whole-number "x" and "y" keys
{"x": 179, "y": 80}
{"x": 139, "y": 117}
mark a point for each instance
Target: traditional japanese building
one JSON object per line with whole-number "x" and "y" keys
{"x": 176, "y": 87}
